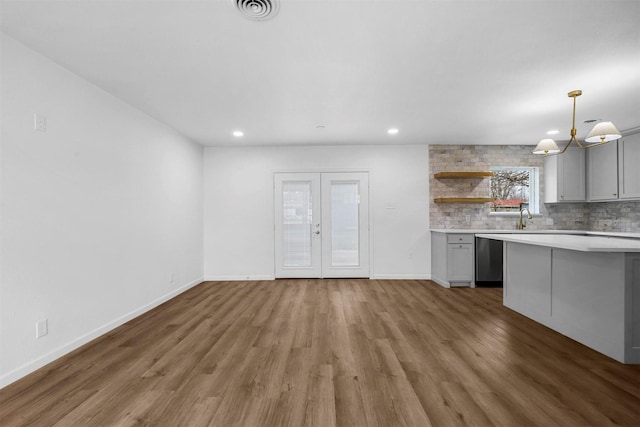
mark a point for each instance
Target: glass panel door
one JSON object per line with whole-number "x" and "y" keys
{"x": 297, "y": 228}
{"x": 345, "y": 222}
{"x": 345, "y": 199}
{"x": 321, "y": 225}
{"x": 297, "y": 213}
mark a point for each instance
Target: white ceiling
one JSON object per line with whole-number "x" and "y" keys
{"x": 443, "y": 72}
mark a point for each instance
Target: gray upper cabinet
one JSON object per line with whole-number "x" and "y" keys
{"x": 602, "y": 172}
{"x": 629, "y": 166}
{"x": 613, "y": 170}
{"x": 564, "y": 177}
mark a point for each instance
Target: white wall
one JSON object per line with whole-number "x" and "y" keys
{"x": 238, "y": 206}
{"x": 101, "y": 216}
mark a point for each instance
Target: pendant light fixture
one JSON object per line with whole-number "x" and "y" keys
{"x": 601, "y": 133}
{"x": 546, "y": 146}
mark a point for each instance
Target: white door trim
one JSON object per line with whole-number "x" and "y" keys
{"x": 325, "y": 269}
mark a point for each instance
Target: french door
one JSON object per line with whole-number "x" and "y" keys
{"x": 322, "y": 224}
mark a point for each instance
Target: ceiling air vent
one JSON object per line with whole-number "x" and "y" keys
{"x": 257, "y": 10}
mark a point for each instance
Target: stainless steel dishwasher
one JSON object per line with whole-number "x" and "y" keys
{"x": 488, "y": 263}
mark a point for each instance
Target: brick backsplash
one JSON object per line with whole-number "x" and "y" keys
{"x": 616, "y": 216}
{"x": 605, "y": 216}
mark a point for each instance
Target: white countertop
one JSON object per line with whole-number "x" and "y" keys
{"x": 628, "y": 235}
{"x": 479, "y": 230}
{"x": 584, "y": 243}
{"x": 624, "y": 234}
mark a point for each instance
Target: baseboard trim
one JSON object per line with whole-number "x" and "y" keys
{"x": 233, "y": 278}
{"x": 401, "y": 276}
{"x": 375, "y": 276}
{"x": 441, "y": 282}
{"x": 38, "y": 363}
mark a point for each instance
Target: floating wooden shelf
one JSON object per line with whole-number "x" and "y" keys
{"x": 478, "y": 174}
{"x": 463, "y": 200}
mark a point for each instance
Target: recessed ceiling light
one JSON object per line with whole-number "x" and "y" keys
{"x": 238, "y": 133}
{"x": 553, "y": 132}
{"x": 392, "y": 131}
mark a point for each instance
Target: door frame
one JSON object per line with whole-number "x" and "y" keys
{"x": 370, "y": 229}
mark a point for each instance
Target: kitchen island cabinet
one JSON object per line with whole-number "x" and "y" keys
{"x": 585, "y": 287}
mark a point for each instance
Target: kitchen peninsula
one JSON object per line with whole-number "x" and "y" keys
{"x": 586, "y": 287}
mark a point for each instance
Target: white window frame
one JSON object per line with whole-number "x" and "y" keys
{"x": 534, "y": 189}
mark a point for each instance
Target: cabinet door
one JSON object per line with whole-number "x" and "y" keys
{"x": 460, "y": 262}
{"x": 629, "y": 166}
{"x": 602, "y": 172}
{"x": 550, "y": 171}
{"x": 571, "y": 176}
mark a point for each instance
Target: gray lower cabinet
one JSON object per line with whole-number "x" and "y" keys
{"x": 452, "y": 257}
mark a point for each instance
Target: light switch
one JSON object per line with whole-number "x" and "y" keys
{"x": 39, "y": 122}
{"x": 42, "y": 328}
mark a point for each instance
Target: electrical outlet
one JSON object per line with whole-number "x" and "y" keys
{"x": 39, "y": 122}
{"x": 42, "y": 328}
{"x": 607, "y": 224}
{"x": 410, "y": 255}
{"x": 549, "y": 221}
{"x": 467, "y": 219}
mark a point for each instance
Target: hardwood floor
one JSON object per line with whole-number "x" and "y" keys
{"x": 329, "y": 353}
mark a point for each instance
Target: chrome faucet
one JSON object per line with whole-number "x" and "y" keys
{"x": 521, "y": 224}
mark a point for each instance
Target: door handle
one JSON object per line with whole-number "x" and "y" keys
{"x": 316, "y": 232}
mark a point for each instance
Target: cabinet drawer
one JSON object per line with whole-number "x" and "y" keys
{"x": 459, "y": 238}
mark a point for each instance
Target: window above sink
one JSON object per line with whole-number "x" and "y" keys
{"x": 512, "y": 187}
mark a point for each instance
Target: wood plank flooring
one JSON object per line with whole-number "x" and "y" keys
{"x": 329, "y": 353}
